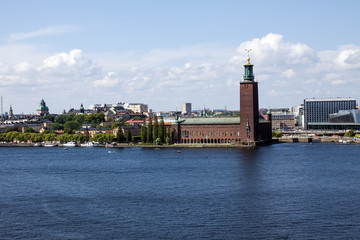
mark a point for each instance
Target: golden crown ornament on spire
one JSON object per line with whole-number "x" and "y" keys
{"x": 248, "y": 58}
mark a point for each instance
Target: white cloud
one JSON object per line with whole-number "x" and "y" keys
{"x": 109, "y": 80}
{"x": 272, "y": 50}
{"x": 23, "y": 67}
{"x": 272, "y": 93}
{"x": 288, "y": 73}
{"x": 207, "y": 75}
{"x": 338, "y": 82}
{"x": 68, "y": 67}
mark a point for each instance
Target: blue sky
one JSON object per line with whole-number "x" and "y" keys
{"x": 164, "y": 53}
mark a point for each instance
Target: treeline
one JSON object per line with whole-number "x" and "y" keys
{"x": 155, "y": 133}
{"x": 71, "y": 122}
{"x": 29, "y": 136}
{"x": 15, "y": 136}
{"x": 151, "y": 133}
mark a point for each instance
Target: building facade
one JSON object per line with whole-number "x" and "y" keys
{"x": 42, "y": 110}
{"x": 283, "y": 121}
{"x": 319, "y": 110}
{"x": 343, "y": 120}
{"x": 186, "y": 109}
{"x": 250, "y": 127}
{"x": 137, "y": 107}
{"x": 249, "y": 105}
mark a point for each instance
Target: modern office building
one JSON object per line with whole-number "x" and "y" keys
{"x": 186, "y": 109}
{"x": 345, "y": 116}
{"x": 319, "y": 110}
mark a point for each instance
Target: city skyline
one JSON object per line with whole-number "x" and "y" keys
{"x": 164, "y": 53}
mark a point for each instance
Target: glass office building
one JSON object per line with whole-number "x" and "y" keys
{"x": 319, "y": 110}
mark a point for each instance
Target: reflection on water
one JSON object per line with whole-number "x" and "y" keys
{"x": 286, "y": 191}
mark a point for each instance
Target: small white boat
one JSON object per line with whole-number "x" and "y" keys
{"x": 70, "y": 144}
{"x": 89, "y": 144}
{"x": 344, "y": 141}
{"x": 37, "y": 145}
{"x": 50, "y": 145}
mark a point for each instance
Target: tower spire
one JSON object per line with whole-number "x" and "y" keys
{"x": 248, "y": 58}
{"x": 249, "y": 105}
{"x": 248, "y": 73}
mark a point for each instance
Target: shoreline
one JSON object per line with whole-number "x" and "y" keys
{"x": 126, "y": 145}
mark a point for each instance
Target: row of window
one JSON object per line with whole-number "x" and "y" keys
{"x": 319, "y": 111}
{"x": 208, "y": 134}
{"x": 209, "y": 141}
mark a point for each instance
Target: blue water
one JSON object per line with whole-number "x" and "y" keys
{"x": 283, "y": 191}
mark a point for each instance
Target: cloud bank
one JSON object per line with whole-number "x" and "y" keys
{"x": 205, "y": 75}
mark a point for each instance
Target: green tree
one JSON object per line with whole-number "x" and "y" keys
{"x": 50, "y": 137}
{"x": 349, "y": 133}
{"x": 79, "y": 119}
{"x": 35, "y": 137}
{"x": 143, "y": 131}
{"x": 149, "y": 135}
{"x": 79, "y": 137}
{"x": 29, "y": 130}
{"x": 162, "y": 130}
{"x": 158, "y": 141}
{"x": 63, "y": 138}
{"x": 128, "y": 136}
{"x": 61, "y": 119}
{"x": 102, "y": 138}
{"x": 115, "y": 125}
{"x": 276, "y": 134}
{"x": 12, "y": 129}
{"x": 69, "y": 117}
{"x": 49, "y": 117}
{"x": 12, "y": 136}
{"x": 120, "y": 136}
{"x": 169, "y": 135}
{"x": 72, "y": 125}
{"x": 96, "y": 118}
{"x": 156, "y": 129}
{"x": 56, "y": 126}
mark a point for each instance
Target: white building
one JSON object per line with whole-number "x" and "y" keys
{"x": 136, "y": 107}
{"x": 298, "y": 112}
{"x": 186, "y": 109}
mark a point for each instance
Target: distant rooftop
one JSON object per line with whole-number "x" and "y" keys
{"x": 215, "y": 120}
{"x": 329, "y": 99}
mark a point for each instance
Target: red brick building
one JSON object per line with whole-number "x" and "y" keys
{"x": 250, "y": 127}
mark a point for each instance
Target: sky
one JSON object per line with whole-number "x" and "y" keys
{"x": 165, "y": 53}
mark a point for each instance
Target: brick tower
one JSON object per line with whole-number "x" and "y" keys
{"x": 249, "y": 105}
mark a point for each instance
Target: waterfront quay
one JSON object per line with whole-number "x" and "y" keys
{"x": 317, "y": 136}
{"x": 132, "y": 145}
